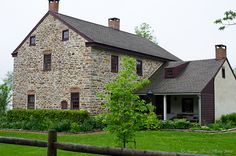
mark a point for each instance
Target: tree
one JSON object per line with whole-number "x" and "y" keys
{"x": 5, "y": 97}
{"x": 5, "y": 92}
{"x": 145, "y": 31}
{"x": 125, "y": 110}
{"x": 229, "y": 19}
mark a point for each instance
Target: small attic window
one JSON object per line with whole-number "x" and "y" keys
{"x": 223, "y": 72}
{"x": 65, "y": 35}
{"x": 32, "y": 40}
{"x": 169, "y": 73}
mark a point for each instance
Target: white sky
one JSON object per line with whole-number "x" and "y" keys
{"x": 183, "y": 27}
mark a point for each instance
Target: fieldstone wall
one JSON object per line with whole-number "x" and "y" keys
{"x": 71, "y": 68}
{"x": 75, "y": 67}
{"x": 102, "y": 74}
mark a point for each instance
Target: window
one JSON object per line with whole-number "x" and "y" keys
{"x": 169, "y": 73}
{"x": 74, "y": 100}
{"x": 47, "y": 62}
{"x": 31, "y": 102}
{"x": 64, "y": 104}
{"x": 139, "y": 67}
{"x": 187, "y": 105}
{"x": 223, "y": 72}
{"x": 114, "y": 63}
{"x": 32, "y": 41}
{"x": 65, "y": 35}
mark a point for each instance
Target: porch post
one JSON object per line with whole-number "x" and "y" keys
{"x": 199, "y": 108}
{"x": 165, "y": 107}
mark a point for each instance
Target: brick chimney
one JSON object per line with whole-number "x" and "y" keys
{"x": 220, "y": 51}
{"x": 114, "y": 23}
{"x": 54, "y": 5}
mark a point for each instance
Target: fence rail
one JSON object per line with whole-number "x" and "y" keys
{"x": 53, "y": 145}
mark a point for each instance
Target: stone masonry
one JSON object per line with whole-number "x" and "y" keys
{"x": 74, "y": 67}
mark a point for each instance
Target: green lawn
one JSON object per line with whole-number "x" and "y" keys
{"x": 184, "y": 142}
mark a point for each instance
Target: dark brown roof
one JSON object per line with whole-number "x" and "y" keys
{"x": 193, "y": 79}
{"x": 99, "y": 34}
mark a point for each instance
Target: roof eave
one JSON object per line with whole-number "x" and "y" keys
{"x": 105, "y": 46}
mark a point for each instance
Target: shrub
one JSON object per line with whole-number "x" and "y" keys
{"x": 216, "y": 126}
{"x": 229, "y": 119}
{"x": 19, "y": 115}
{"x": 90, "y": 124}
{"x": 168, "y": 124}
{"x": 182, "y": 124}
{"x": 61, "y": 126}
{"x": 74, "y": 127}
{"x": 37, "y": 124}
{"x": 177, "y": 124}
{"x": 151, "y": 122}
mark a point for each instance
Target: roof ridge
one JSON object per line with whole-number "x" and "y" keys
{"x": 122, "y": 31}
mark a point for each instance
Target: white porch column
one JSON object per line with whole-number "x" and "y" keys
{"x": 165, "y": 107}
{"x": 199, "y": 108}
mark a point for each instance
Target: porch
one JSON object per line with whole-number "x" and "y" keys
{"x": 168, "y": 107}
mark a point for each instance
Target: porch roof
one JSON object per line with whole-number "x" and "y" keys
{"x": 193, "y": 78}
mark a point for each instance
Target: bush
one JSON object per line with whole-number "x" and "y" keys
{"x": 151, "y": 122}
{"x": 229, "y": 119}
{"x": 43, "y": 120}
{"x": 168, "y": 124}
{"x": 182, "y": 124}
{"x": 19, "y": 115}
{"x": 36, "y": 124}
{"x": 177, "y": 124}
{"x": 63, "y": 126}
{"x": 74, "y": 127}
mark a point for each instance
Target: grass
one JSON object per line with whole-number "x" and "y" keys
{"x": 170, "y": 141}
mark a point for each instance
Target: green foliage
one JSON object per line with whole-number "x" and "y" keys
{"x": 126, "y": 111}
{"x": 54, "y": 115}
{"x": 9, "y": 79}
{"x": 74, "y": 127}
{"x": 61, "y": 126}
{"x": 229, "y": 119}
{"x": 177, "y": 124}
{"x": 4, "y": 98}
{"x": 145, "y": 31}
{"x": 227, "y": 20}
{"x": 43, "y": 120}
{"x": 151, "y": 122}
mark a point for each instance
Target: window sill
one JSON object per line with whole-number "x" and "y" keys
{"x": 66, "y": 39}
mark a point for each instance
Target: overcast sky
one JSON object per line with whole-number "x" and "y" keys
{"x": 183, "y": 27}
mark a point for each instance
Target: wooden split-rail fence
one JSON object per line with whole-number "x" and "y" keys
{"x": 52, "y": 147}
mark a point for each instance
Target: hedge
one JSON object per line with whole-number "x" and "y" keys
{"x": 19, "y": 115}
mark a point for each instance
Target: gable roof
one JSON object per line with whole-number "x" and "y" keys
{"x": 193, "y": 79}
{"x": 99, "y": 34}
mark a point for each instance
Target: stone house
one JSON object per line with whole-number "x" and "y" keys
{"x": 64, "y": 62}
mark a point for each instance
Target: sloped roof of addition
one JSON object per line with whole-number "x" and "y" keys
{"x": 108, "y": 37}
{"x": 193, "y": 78}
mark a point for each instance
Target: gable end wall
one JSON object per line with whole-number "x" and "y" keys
{"x": 225, "y": 92}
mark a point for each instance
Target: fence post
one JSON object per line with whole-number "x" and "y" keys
{"x": 52, "y": 138}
